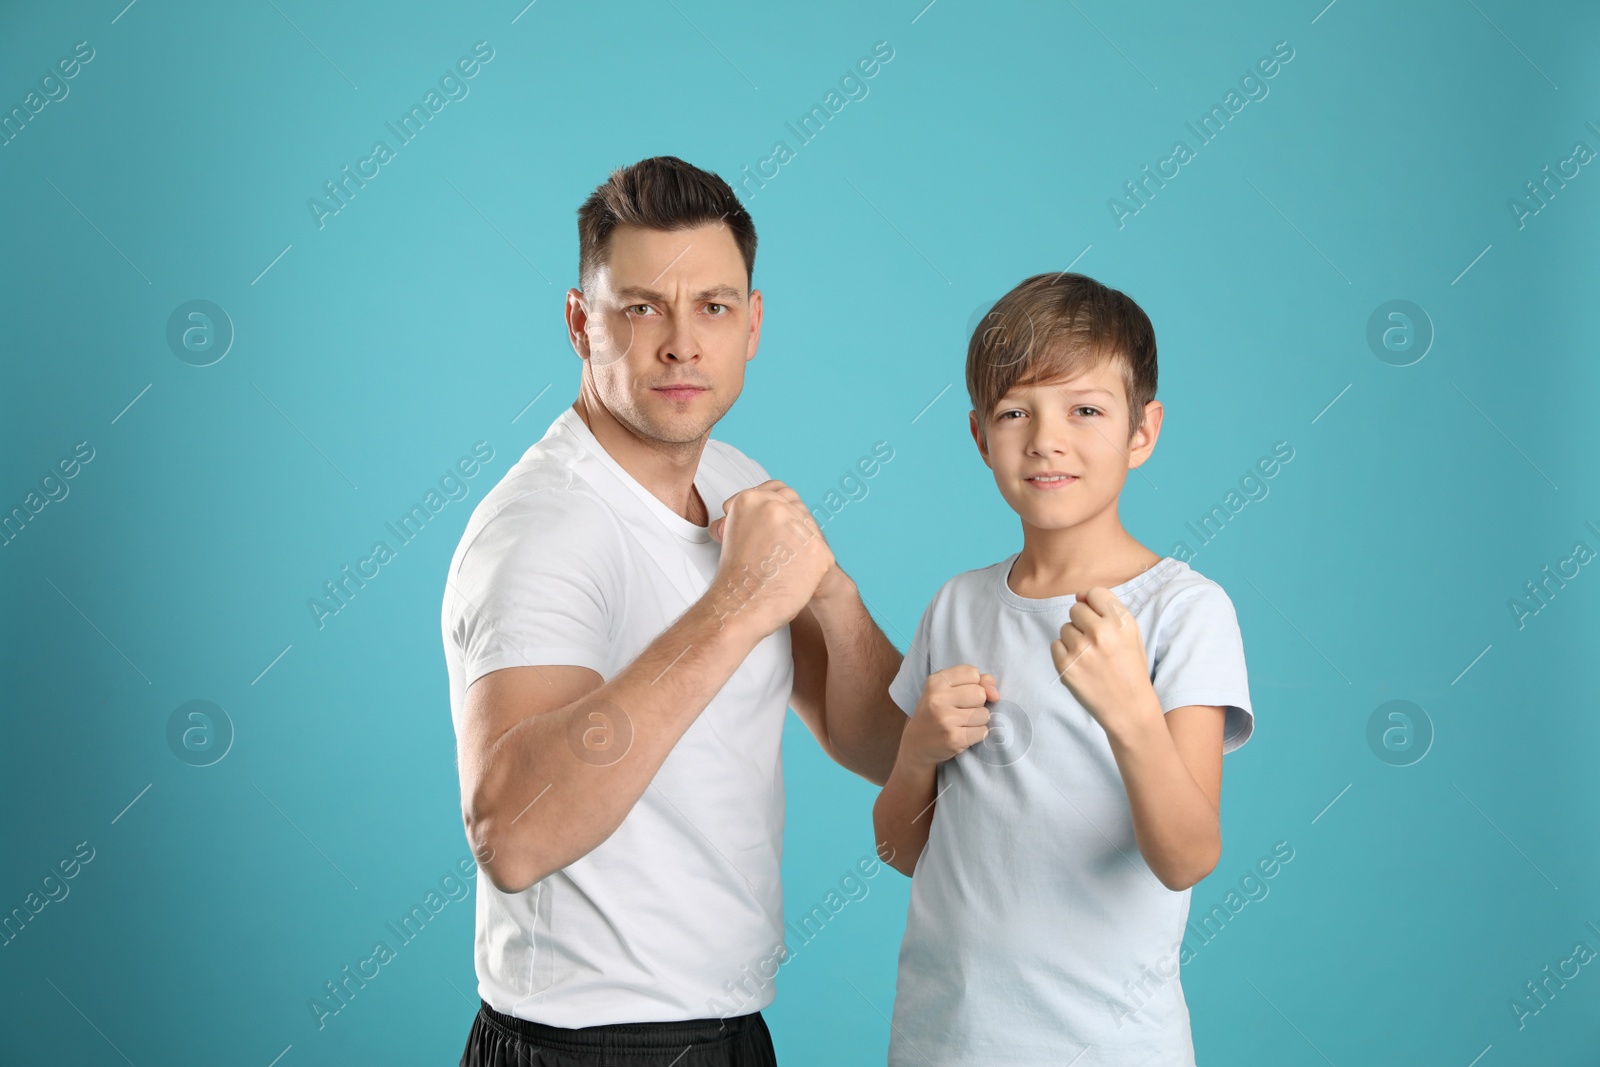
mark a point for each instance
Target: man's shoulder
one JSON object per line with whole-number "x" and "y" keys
{"x": 731, "y": 465}
{"x": 543, "y": 500}
{"x": 542, "y": 484}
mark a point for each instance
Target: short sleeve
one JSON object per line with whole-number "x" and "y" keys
{"x": 906, "y": 689}
{"x": 1198, "y": 658}
{"x": 534, "y": 587}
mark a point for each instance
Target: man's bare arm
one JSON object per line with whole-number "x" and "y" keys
{"x": 552, "y": 760}
{"x": 843, "y": 665}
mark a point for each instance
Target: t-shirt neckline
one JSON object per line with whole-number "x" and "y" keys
{"x": 1162, "y": 568}
{"x": 679, "y": 525}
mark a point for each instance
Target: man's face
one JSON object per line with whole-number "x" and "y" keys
{"x": 666, "y": 327}
{"x": 1076, "y": 427}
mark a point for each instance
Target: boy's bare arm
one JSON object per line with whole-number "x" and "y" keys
{"x": 1171, "y": 767}
{"x": 948, "y": 720}
{"x": 903, "y": 813}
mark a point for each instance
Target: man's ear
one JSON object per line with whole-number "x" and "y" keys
{"x": 577, "y": 322}
{"x": 753, "y": 302}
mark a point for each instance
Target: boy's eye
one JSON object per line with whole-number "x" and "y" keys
{"x": 1083, "y": 409}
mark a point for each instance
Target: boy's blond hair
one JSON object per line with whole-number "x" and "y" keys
{"x": 1054, "y": 326}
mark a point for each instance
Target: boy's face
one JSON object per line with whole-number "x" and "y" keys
{"x": 1060, "y": 451}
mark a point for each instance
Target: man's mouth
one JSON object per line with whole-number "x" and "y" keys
{"x": 680, "y": 392}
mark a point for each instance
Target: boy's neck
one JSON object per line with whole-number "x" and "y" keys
{"x": 1075, "y": 559}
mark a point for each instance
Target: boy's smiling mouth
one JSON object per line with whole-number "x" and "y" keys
{"x": 1050, "y": 479}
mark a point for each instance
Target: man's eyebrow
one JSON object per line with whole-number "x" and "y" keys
{"x": 727, "y": 292}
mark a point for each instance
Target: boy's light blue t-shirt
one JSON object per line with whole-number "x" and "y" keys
{"x": 1036, "y": 931}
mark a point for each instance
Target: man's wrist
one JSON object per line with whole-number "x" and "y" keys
{"x": 836, "y": 588}
{"x": 730, "y": 617}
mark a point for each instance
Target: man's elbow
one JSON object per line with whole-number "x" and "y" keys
{"x": 902, "y": 862}
{"x": 870, "y": 755}
{"x": 508, "y": 868}
{"x": 868, "y": 765}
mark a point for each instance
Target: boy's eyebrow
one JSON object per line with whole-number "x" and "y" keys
{"x": 727, "y": 292}
{"x": 1084, "y": 389}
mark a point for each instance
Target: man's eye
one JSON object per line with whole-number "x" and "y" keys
{"x": 638, "y": 307}
{"x": 722, "y": 307}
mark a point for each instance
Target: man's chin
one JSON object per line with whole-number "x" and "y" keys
{"x": 677, "y": 427}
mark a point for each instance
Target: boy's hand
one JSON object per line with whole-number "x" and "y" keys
{"x": 950, "y": 718}
{"x": 1100, "y": 658}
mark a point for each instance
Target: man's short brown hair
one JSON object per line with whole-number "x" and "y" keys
{"x": 1053, "y": 326}
{"x": 660, "y": 193}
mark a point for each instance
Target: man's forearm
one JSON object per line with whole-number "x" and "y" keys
{"x": 1177, "y": 829}
{"x": 559, "y": 783}
{"x": 864, "y": 724}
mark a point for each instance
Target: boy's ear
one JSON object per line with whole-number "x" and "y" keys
{"x": 978, "y": 438}
{"x": 1143, "y": 441}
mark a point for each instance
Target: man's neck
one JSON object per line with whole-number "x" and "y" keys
{"x": 667, "y": 471}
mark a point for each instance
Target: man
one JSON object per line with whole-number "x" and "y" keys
{"x": 628, "y": 613}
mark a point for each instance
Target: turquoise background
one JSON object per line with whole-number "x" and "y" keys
{"x": 371, "y": 353}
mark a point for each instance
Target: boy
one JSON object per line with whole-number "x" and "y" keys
{"x": 1057, "y": 785}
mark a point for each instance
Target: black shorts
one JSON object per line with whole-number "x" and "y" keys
{"x": 498, "y": 1040}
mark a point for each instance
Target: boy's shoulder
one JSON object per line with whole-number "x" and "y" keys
{"x": 977, "y": 583}
{"x": 1183, "y": 599}
{"x": 1182, "y": 583}
{"x": 1170, "y": 589}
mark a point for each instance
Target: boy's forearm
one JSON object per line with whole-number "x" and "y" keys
{"x": 1178, "y": 831}
{"x": 903, "y": 814}
{"x": 864, "y": 725}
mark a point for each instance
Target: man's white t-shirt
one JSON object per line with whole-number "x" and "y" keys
{"x": 1036, "y": 932}
{"x": 569, "y": 560}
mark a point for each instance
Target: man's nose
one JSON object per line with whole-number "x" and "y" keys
{"x": 680, "y": 343}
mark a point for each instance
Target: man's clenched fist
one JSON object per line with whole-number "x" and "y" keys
{"x": 773, "y": 557}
